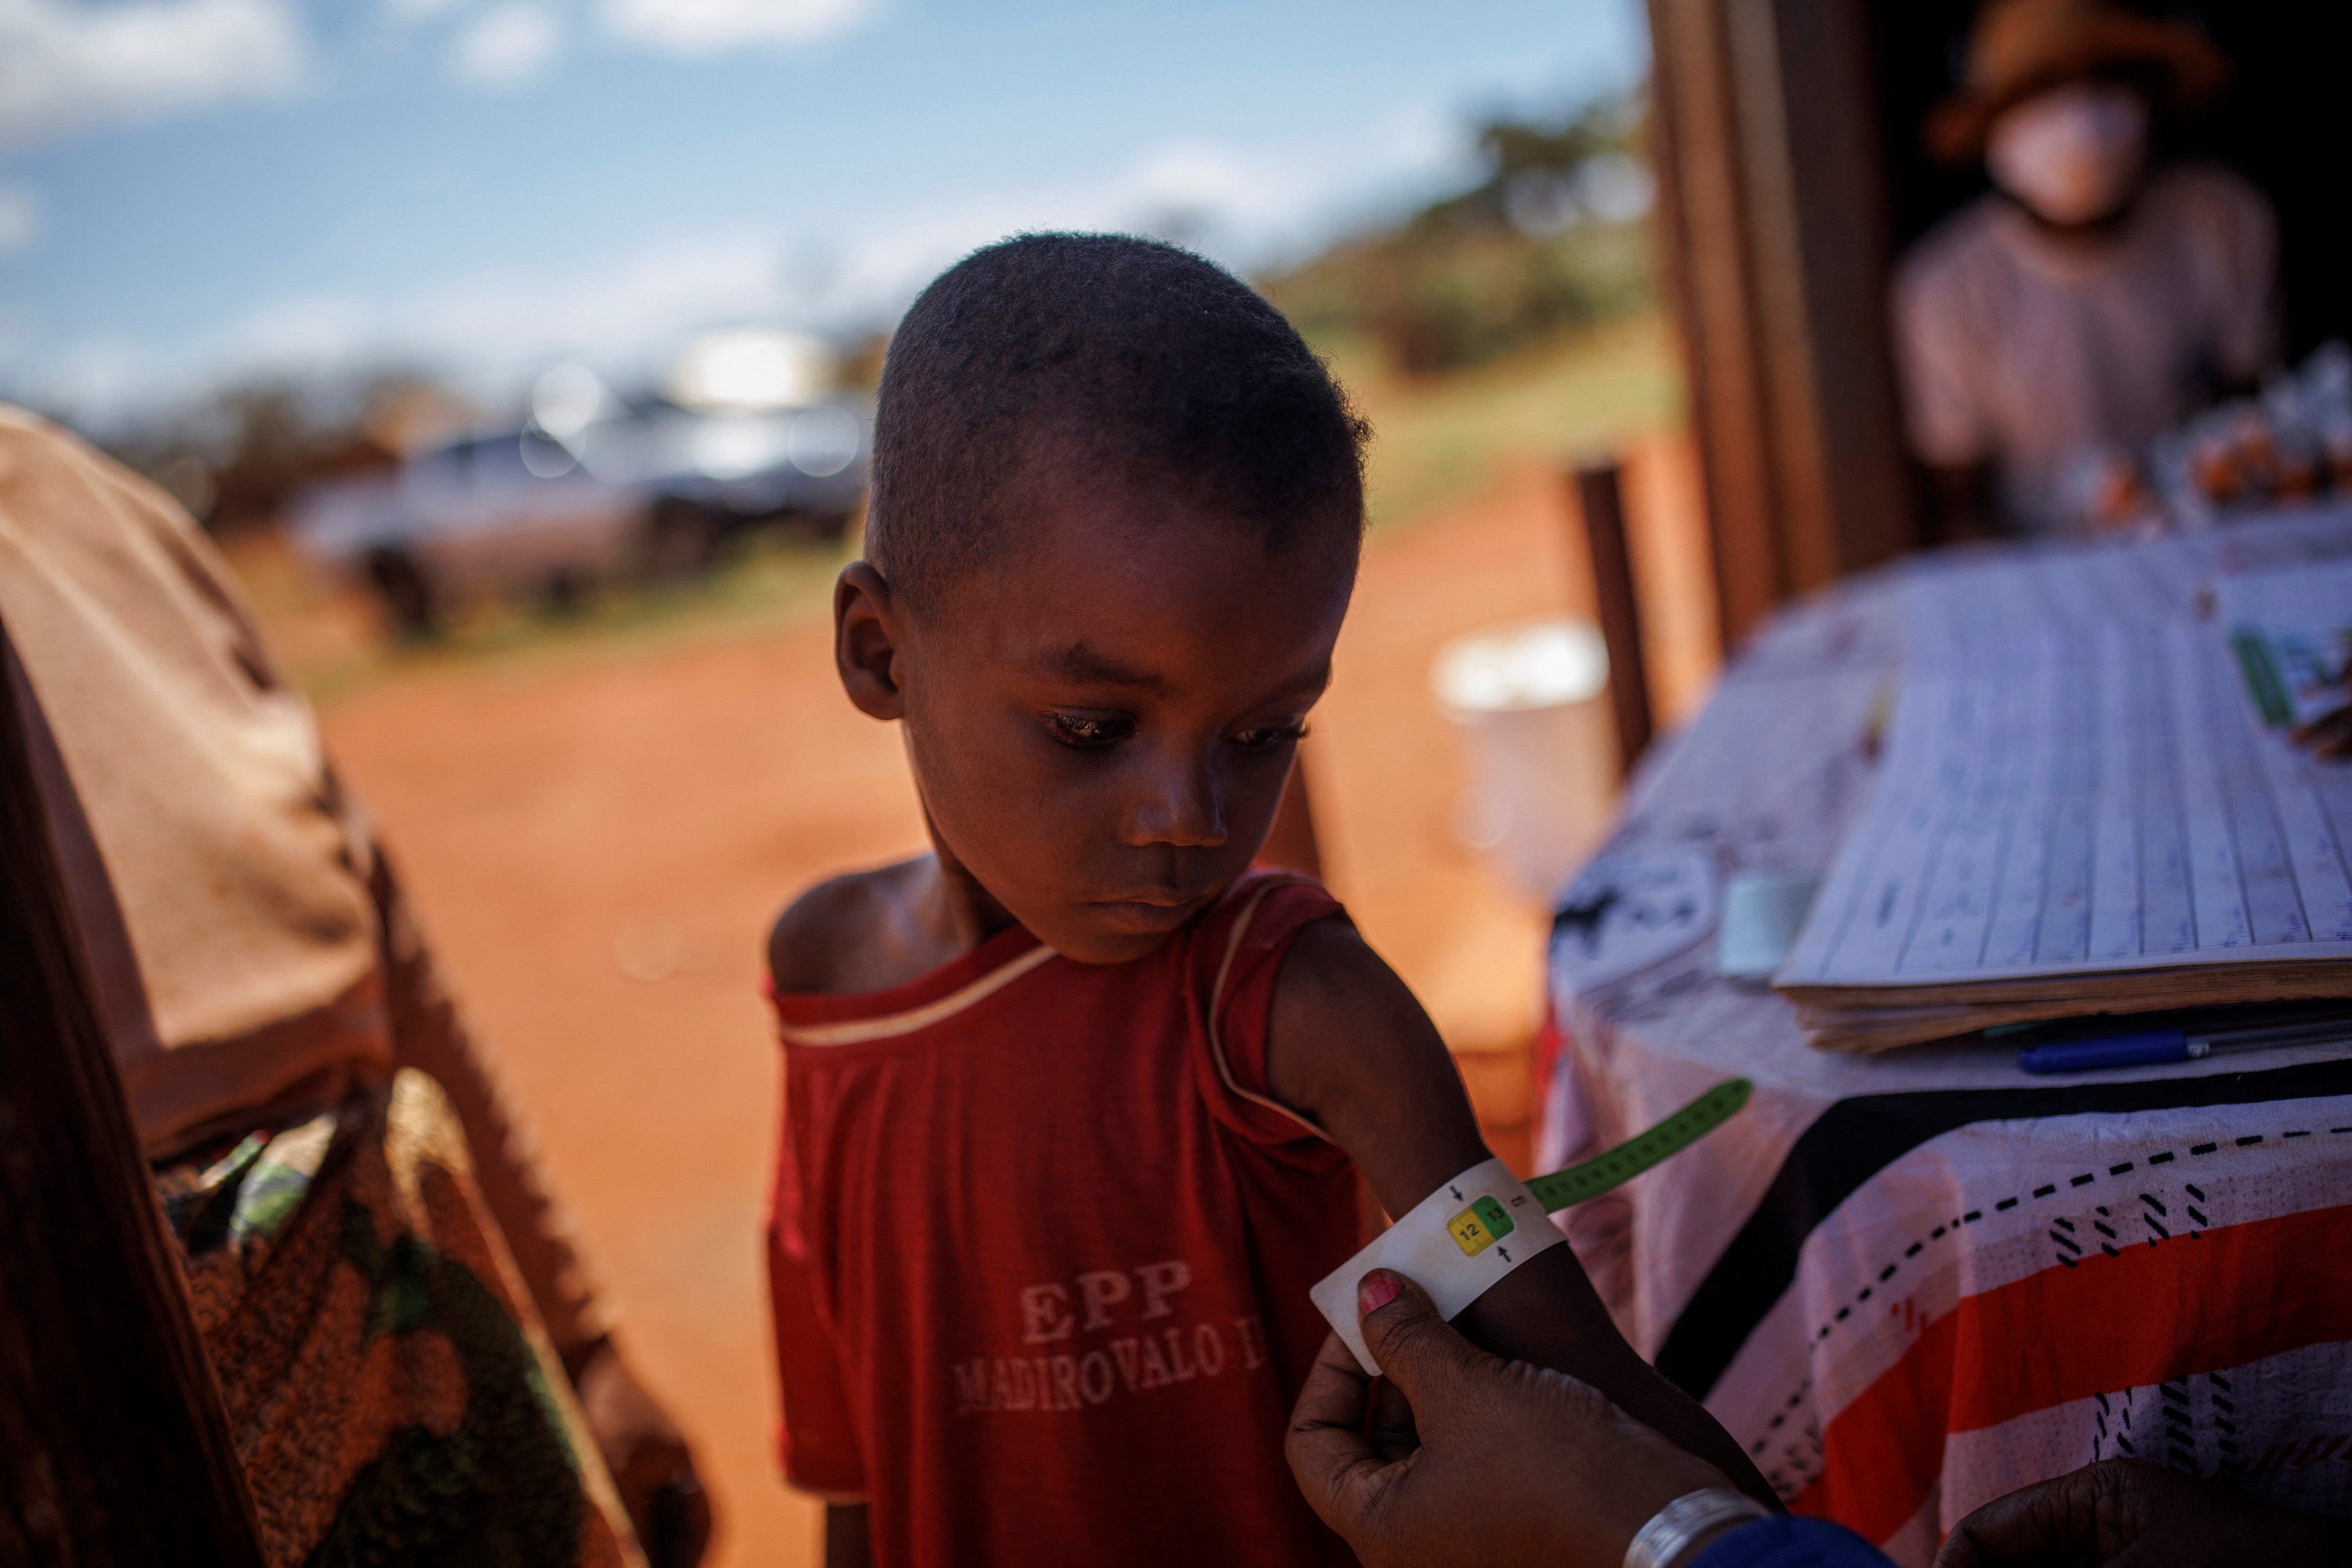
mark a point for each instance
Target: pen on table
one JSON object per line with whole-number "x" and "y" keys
{"x": 2147, "y": 1047}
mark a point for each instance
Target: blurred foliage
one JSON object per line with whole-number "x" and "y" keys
{"x": 1554, "y": 235}
{"x": 1440, "y": 441}
{"x": 861, "y": 363}
{"x": 236, "y": 458}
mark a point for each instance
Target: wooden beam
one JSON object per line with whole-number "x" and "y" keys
{"x": 1776, "y": 216}
{"x": 1821, "y": 210}
{"x": 1703, "y": 217}
{"x": 1599, "y": 497}
{"x": 113, "y": 1445}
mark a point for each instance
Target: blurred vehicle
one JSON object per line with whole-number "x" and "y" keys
{"x": 751, "y": 428}
{"x": 589, "y": 492}
{"x": 738, "y": 466}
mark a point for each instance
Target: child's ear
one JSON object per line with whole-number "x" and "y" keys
{"x": 865, "y": 640}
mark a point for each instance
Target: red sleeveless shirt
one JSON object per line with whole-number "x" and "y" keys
{"x": 1040, "y": 1246}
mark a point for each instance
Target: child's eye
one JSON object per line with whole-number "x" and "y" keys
{"x": 1266, "y": 737}
{"x": 1088, "y": 734}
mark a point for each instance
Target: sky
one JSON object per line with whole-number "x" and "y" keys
{"x": 200, "y": 191}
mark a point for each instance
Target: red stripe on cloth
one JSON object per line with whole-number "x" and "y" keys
{"x": 2195, "y": 1303}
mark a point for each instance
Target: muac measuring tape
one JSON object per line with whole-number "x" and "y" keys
{"x": 1461, "y": 1239}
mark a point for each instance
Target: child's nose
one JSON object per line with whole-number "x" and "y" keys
{"x": 1181, "y": 804}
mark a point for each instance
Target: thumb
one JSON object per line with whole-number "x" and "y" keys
{"x": 2057, "y": 1520}
{"x": 1418, "y": 1351}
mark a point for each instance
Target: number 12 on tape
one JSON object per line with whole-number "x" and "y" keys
{"x": 1480, "y": 1226}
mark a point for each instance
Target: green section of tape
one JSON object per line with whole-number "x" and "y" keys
{"x": 2263, "y": 677}
{"x": 1639, "y": 1153}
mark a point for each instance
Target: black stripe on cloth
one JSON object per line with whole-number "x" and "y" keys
{"x": 1854, "y": 1139}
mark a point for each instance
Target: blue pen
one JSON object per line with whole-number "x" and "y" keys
{"x": 2149, "y": 1047}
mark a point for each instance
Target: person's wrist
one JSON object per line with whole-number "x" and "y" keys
{"x": 1697, "y": 1549}
{"x": 1679, "y": 1532}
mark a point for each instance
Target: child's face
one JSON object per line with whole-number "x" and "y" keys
{"x": 1102, "y": 718}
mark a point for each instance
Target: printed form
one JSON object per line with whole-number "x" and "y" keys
{"x": 2076, "y": 783}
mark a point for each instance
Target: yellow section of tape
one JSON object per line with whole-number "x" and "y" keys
{"x": 1476, "y": 1228}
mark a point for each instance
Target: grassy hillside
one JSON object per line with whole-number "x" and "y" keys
{"x": 1437, "y": 441}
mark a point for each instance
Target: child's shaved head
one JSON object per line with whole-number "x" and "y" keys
{"x": 1122, "y": 357}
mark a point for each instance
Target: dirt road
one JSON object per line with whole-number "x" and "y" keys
{"x": 596, "y": 844}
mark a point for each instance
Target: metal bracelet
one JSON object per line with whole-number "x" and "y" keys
{"x": 1671, "y": 1531}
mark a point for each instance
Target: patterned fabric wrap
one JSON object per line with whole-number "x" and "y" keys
{"x": 393, "y": 1397}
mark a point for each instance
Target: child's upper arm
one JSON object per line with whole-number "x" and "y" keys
{"x": 1349, "y": 1045}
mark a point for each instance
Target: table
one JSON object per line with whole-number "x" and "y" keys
{"x": 1913, "y": 1282}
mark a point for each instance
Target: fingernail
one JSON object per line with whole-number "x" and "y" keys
{"x": 1378, "y": 1289}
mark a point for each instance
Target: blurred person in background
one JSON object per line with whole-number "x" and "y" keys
{"x": 2100, "y": 294}
{"x": 414, "y": 1367}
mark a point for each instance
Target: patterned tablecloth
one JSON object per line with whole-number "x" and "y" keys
{"x": 1913, "y": 1282}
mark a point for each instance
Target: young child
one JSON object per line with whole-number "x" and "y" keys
{"x": 1071, "y": 1101}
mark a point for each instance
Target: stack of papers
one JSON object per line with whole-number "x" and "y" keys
{"x": 2086, "y": 805}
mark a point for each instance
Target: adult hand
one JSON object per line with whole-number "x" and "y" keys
{"x": 2329, "y": 735}
{"x": 2128, "y": 1515}
{"x": 1470, "y": 1459}
{"x": 651, "y": 1463}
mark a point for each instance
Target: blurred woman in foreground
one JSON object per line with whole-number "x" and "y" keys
{"x": 414, "y": 1370}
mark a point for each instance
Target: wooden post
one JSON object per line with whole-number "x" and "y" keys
{"x": 113, "y": 1445}
{"x": 1600, "y": 498}
{"x": 1775, "y": 211}
{"x": 1702, "y": 219}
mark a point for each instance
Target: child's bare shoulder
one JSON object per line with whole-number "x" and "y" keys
{"x": 850, "y": 933}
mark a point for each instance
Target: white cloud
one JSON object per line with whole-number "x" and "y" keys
{"x": 66, "y": 66}
{"x": 629, "y": 312}
{"x": 298, "y": 336}
{"x": 506, "y": 46}
{"x": 99, "y": 378}
{"x": 705, "y": 27}
{"x": 20, "y": 218}
{"x": 1251, "y": 209}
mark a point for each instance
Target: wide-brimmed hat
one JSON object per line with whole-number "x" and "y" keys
{"x": 2018, "y": 47}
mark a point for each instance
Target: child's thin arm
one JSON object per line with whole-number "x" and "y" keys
{"x": 847, "y": 1544}
{"x": 1351, "y": 1047}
